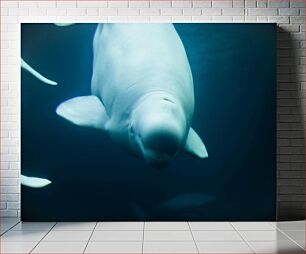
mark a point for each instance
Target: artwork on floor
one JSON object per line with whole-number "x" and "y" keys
{"x": 155, "y": 122}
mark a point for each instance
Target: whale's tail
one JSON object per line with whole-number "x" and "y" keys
{"x": 34, "y": 182}
{"x": 36, "y": 74}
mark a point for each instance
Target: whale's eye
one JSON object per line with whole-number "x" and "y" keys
{"x": 167, "y": 100}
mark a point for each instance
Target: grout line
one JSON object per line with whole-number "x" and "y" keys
{"x": 164, "y": 230}
{"x": 121, "y": 230}
{"x": 290, "y": 238}
{"x": 232, "y": 226}
{"x": 193, "y": 237}
{"x": 90, "y": 236}
{"x": 143, "y": 232}
{"x": 10, "y": 228}
{"x": 247, "y": 243}
{"x": 273, "y": 225}
{"x": 42, "y": 238}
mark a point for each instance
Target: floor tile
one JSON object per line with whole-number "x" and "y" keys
{"x": 3, "y": 230}
{"x": 23, "y": 236}
{"x": 119, "y": 226}
{"x": 211, "y": 226}
{"x": 6, "y": 225}
{"x": 74, "y": 226}
{"x": 216, "y": 236}
{"x": 169, "y": 247}
{"x": 301, "y": 243}
{"x": 253, "y": 225}
{"x": 17, "y": 247}
{"x": 34, "y": 226}
{"x": 167, "y": 236}
{"x": 274, "y": 235}
{"x": 224, "y": 247}
{"x": 276, "y": 247}
{"x": 166, "y": 226}
{"x": 69, "y": 236}
{"x": 295, "y": 234}
{"x": 60, "y": 247}
{"x": 114, "y": 247}
{"x": 291, "y": 225}
{"x": 116, "y": 236}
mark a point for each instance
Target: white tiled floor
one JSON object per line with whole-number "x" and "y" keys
{"x": 114, "y": 247}
{"x": 67, "y": 236}
{"x": 165, "y": 235}
{"x": 152, "y": 237}
{"x": 105, "y": 236}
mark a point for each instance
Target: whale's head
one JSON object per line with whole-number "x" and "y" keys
{"x": 158, "y": 129}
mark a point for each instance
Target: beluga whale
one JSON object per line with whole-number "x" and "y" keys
{"x": 142, "y": 92}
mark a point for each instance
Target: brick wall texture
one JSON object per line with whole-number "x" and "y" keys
{"x": 288, "y": 14}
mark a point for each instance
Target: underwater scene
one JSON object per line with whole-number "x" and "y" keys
{"x": 155, "y": 122}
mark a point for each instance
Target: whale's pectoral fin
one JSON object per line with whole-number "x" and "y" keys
{"x": 34, "y": 182}
{"x": 36, "y": 74}
{"x": 195, "y": 146}
{"x": 64, "y": 24}
{"x": 87, "y": 111}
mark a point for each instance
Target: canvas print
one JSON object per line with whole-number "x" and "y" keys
{"x": 148, "y": 122}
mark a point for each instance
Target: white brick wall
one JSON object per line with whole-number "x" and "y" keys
{"x": 289, "y": 14}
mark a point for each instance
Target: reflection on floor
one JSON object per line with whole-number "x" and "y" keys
{"x": 152, "y": 237}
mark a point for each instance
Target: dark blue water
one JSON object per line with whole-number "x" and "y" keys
{"x": 234, "y": 71}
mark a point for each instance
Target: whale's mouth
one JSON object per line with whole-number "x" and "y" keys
{"x": 154, "y": 157}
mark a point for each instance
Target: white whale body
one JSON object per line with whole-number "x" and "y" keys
{"x": 142, "y": 92}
